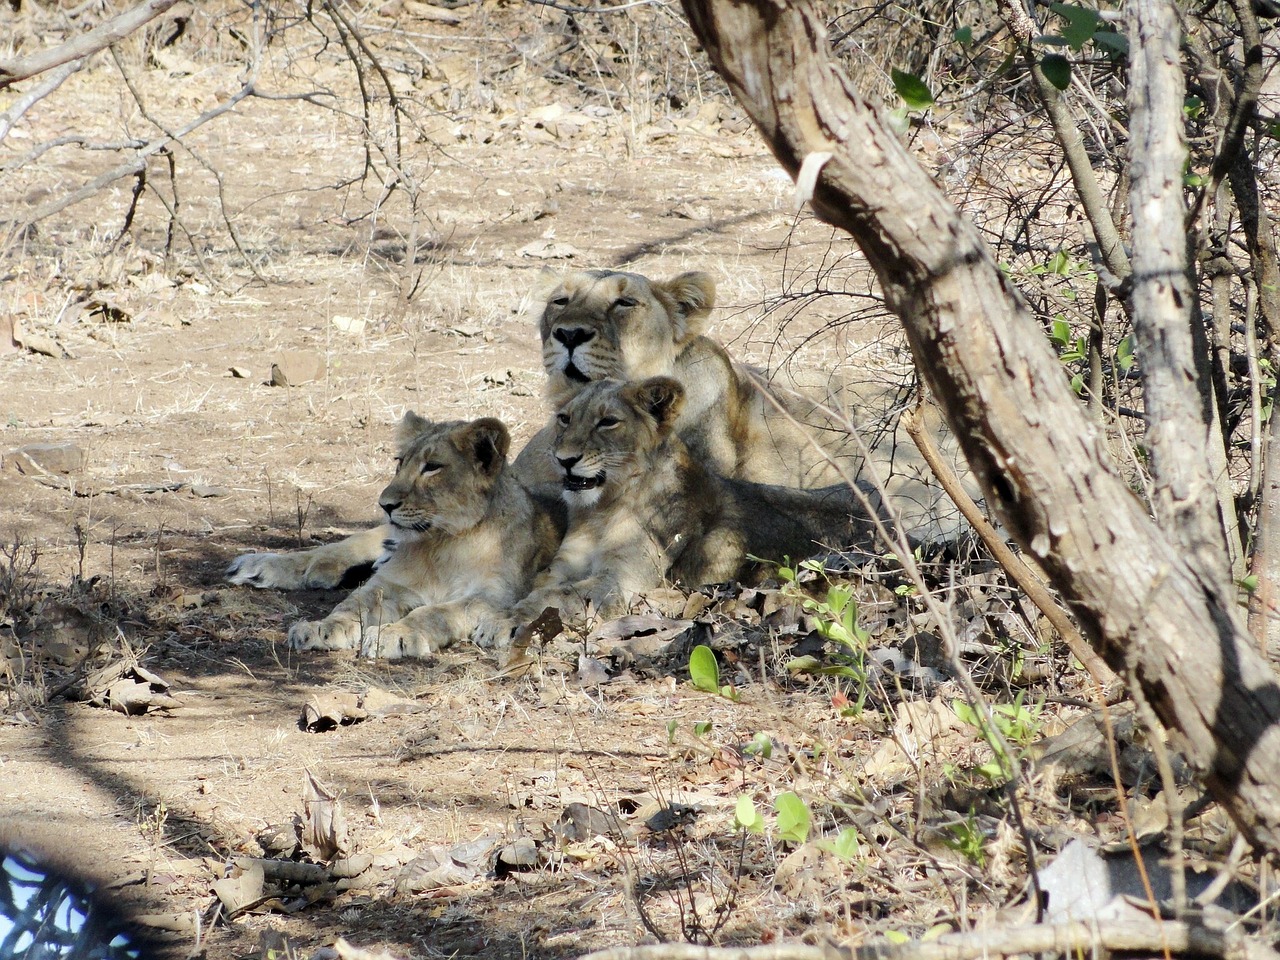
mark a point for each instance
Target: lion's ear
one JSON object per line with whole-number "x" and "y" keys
{"x": 694, "y": 294}
{"x": 486, "y": 441}
{"x": 660, "y": 397}
{"x": 410, "y": 427}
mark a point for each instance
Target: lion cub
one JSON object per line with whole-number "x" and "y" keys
{"x": 643, "y": 511}
{"x": 469, "y": 539}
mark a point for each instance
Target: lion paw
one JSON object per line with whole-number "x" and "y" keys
{"x": 396, "y": 641}
{"x": 494, "y": 634}
{"x": 324, "y": 635}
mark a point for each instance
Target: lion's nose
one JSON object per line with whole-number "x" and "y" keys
{"x": 390, "y": 507}
{"x": 567, "y": 462}
{"x": 572, "y": 336}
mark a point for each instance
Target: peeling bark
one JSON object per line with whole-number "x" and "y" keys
{"x": 1043, "y": 466}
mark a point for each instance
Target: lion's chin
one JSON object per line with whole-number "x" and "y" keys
{"x": 574, "y": 373}
{"x": 583, "y": 491}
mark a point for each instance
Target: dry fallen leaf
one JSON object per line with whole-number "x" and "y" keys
{"x": 324, "y": 829}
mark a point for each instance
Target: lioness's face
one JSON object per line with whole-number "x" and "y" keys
{"x": 602, "y": 324}
{"x": 445, "y": 473}
{"x": 606, "y": 436}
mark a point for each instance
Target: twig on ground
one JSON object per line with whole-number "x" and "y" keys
{"x": 1066, "y": 938}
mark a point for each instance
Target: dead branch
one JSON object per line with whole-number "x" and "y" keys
{"x": 132, "y": 166}
{"x": 1013, "y": 565}
{"x": 1155, "y": 937}
{"x": 102, "y": 36}
{"x": 1067, "y": 131}
{"x": 25, "y": 102}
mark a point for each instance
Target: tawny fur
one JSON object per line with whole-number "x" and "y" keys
{"x": 644, "y": 510}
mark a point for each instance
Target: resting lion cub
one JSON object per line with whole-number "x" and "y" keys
{"x": 643, "y": 510}
{"x": 469, "y": 539}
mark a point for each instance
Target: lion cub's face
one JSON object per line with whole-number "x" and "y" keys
{"x": 602, "y": 324}
{"x": 607, "y": 435}
{"x": 445, "y": 474}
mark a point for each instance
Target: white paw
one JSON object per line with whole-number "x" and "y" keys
{"x": 324, "y": 635}
{"x": 266, "y": 571}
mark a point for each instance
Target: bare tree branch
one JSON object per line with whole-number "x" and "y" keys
{"x": 1071, "y": 939}
{"x": 25, "y": 102}
{"x": 100, "y": 37}
{"x": 131, "y": 167}
{"x": 1179, "y": 415}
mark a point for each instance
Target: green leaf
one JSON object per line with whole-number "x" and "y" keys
{"x": 793, "y": 818}
{"x": 963, "y": 36}
{"x": 913, "y": 91}
{"x": 1060, "y": 331}
{"x": 1082, "y": 23}
{"x": 672, "y": 726}
{"x": 805, "y": 664}
{"x": 1124, "y": 354}
{"x": 846, "y": 845}
{"x": 965, "y": 713}
{"x": 1113, "y": 43}
{"x": 1059, "y": 264}
{"x": 704, "y": 672}
{"x": 746, "y": 816}
{"x": 934, "y": 932}
{"x": 896, "y": 936}
{"x": 1057, "y": 70}
{"x": 702, "y": 728}
{"x": 760, "y": 746}
{"x": 1249, "y": 584}
{"x": 1192, "y": 107}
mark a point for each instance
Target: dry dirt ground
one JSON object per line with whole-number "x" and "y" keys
{"x": 189, "y": 464}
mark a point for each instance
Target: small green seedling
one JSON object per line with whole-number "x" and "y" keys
{"x": 704, "y": 673}
{"x": 794, "y": 819}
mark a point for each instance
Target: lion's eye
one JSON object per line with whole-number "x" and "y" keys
{"x": 399, "y": 463}
{"x": 625, "y": 302}
{"x": 562, "y": 419}
{"x": 560, "y": 301}
{"x": 430, "y": 469}
{"x": 608, "y": 423}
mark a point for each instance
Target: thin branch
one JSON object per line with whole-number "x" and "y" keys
{"x": 1066, "y": 938}
{"x": 100, "y": 37}
{"x": 25, "y": 102}
{"x": 1013, "y": 565}
{"x": 131, "y": 167}
{"x": 1067, "y": 131}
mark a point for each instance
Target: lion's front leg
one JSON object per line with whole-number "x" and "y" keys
{"x": 424, "y": 631}
{"x": 601, "y": 595}
{"x": 344, "y": 563}
{"x": 334, "y": 632}
{"x": 363, "y": 614}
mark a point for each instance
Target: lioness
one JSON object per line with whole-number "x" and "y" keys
{"x": 644, "y": 509}
{"x": 607, "y": 324}
{"x": 469, "y": 539}
{"x": 602, "y": 324}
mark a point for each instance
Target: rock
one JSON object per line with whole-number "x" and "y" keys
{"x": 41, "y": 458}
{"x": 296, "y": 367}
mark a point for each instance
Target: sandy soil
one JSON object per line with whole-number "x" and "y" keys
{"x": 188, "y": 465}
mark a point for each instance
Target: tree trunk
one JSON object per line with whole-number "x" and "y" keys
{"x": 1039, "y": 459}
{"x": 1180, "y": 419}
